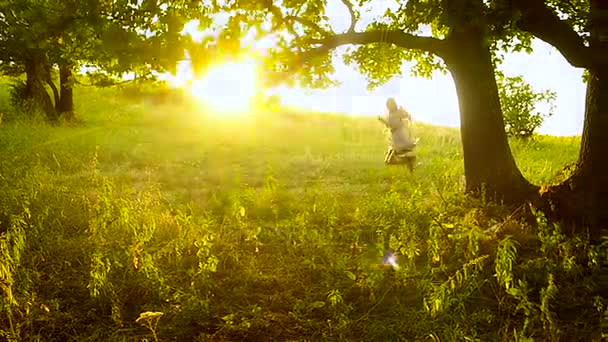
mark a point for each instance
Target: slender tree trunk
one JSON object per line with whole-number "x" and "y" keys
{"x": 53, "y": 87}
{"x": 66, "y": 102}
{"x": 35, "y": 91}
{"x": 47, "y": 75}
{"x": 488, "y": 162}
{"x": 583, "y": 197}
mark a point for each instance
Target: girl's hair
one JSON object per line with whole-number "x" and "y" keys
{"x": 391, "y": 104}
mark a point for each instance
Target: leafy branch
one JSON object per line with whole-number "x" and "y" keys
{"x": 395, "y": 37}
{"x": 440, "y": 299}
{"x": 506, "y": 256}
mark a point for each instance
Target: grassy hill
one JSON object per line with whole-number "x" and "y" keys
{"x": 271, "y": 227}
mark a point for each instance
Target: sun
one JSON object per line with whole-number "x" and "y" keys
{"x": 227, "y": 87}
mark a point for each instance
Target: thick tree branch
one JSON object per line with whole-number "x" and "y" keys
{"x": 353, "y": 16}
{"x": 543, "y": 22}
{"x": 398, "y": 38}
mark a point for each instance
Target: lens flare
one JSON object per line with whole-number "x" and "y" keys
{"x": 390, "y": 259}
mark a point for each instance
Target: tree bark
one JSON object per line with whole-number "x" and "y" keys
{"x": 66, "y": 101}
{"x": 35, "y": 92}
{"x": 488, "y": 162}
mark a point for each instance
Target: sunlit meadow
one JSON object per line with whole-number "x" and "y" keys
{"x": 155, "y": 217}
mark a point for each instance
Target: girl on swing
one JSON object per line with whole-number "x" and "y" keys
{"x": 402, "y": 145}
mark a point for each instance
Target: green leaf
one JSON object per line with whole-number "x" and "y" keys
{"x": 316, "y": 305}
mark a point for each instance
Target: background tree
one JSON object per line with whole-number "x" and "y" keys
{"x": 23, "y": 44}
{"x": 463, "y": 39}
{"x": 520, "y": 105}
{"x": 38, "y": 37}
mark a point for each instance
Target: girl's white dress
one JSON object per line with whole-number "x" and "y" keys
{"x": 401, "y": 139}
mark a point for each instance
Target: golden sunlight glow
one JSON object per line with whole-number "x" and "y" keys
{"x": 228, "y": 87}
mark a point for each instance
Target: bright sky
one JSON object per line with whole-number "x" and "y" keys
{"x": 434, "y": 101}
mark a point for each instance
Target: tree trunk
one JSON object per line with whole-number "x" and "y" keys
{"x": 489, "y": 165}
{"x": 582, "y": 199}
{"x": 46, "y": 74}
{"x": 53, "y": 87}
{"x": 35, "y": 91}
{"x": 66, "y": 102}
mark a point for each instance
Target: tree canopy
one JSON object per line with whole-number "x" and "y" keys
{"x": 414, "y": 31}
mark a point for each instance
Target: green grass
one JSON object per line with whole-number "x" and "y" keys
{"x": 270, "y": 227}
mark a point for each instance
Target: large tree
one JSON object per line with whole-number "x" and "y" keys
{"x": 465, "y": 36}
{"x": 579, "y": 30}
{"x": 40, "y": 37}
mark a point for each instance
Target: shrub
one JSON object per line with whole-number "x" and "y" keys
{"x": 520, "y": 104}
{"x": 18, "y": 94}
